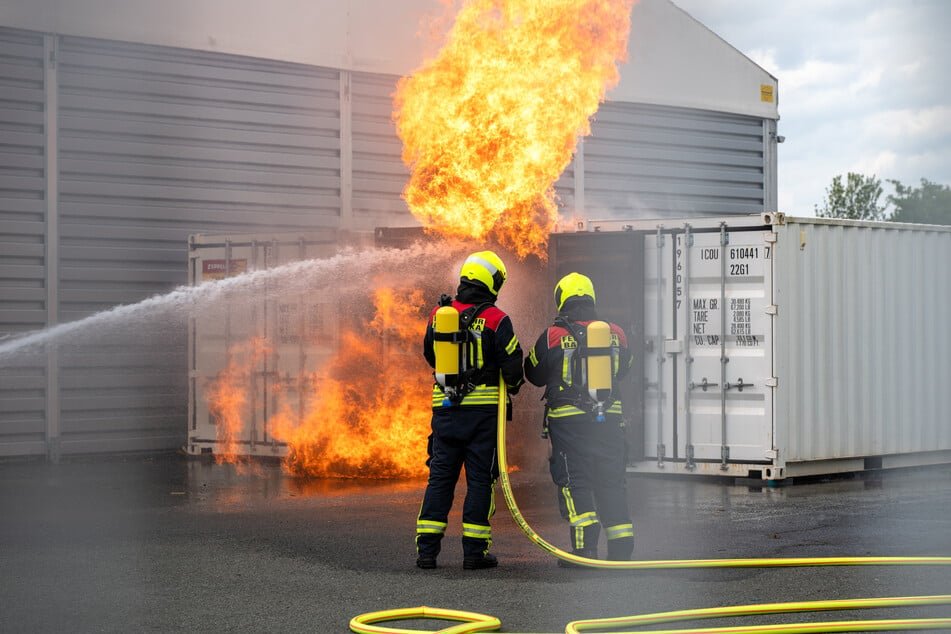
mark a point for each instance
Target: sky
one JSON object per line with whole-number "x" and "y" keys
{"x": 864, "y": 86}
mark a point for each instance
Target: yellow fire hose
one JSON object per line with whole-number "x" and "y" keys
{"x": 475, "y": 622}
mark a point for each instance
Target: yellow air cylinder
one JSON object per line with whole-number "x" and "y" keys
{"x": 446, "y": 322}
{"x": 599, "y": 360}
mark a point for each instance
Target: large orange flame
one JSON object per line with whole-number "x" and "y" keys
{"x": 489, "y": 125}
{"x": 368, "y": 412}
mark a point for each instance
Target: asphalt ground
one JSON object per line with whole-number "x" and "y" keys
{"x": 166, "y": 543}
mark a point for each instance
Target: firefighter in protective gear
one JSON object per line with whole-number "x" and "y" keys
{"x": 464, "y": 422}
{"x": 588, "y": 457}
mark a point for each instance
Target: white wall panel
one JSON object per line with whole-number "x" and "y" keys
{"x": 378, "y": 171}
{"x": 654, "y": 162}
{"x": 23, "y": 229}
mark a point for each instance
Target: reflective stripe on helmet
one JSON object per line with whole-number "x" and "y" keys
{"x": 485, "y": 267}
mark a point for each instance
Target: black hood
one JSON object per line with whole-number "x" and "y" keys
{"x": 472, "y": 292}
{"x": 578, "y": 309}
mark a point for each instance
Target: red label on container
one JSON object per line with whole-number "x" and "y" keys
{"x": 220, "y": 269}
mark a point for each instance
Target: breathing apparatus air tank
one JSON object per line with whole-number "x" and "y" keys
{"x": 446, "y": 347}
{"x": 599, "y": 364}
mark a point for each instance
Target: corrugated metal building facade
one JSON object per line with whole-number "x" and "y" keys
{"x": 114, "y": 152}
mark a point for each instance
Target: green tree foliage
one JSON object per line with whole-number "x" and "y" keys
{"x": 929, "y": 204}
{"x": 856, "y": 199}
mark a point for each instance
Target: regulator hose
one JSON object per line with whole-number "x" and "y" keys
{"x": 475, "y": 622}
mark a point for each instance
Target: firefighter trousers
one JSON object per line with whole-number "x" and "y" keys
{"x": 588, "y": 465}
{"x": 461, "y": 436}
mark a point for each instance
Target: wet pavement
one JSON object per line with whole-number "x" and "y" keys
{"x": 166, "y": 543}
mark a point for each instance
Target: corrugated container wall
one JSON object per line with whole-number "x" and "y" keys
{"x": 773, "y": 346}
{"x": 862, "y": 354}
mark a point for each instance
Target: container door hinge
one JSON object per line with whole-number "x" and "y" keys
{"x": 771, "y": 309}
{"x": 772, "y": 381}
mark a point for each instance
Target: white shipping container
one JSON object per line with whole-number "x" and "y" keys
{"x": 273, "y": 336}
{"x": 771, "y": 346}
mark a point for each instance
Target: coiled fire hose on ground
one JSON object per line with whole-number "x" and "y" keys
{"x": 475, "y": 622}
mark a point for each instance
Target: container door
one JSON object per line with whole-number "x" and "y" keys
{"x": 256, "y": 353}
{"x": 226, "y": 356}
{"x": 659, "y": 401}
{"x": 301, "y": 335}
{"x": 713, "y": 362}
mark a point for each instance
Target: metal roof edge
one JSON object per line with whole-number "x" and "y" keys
{"x": 871, "y": 224}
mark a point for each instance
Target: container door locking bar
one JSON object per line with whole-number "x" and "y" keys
{"x": 739, "y": 385}
{"x": 724, "y": 447}
{"x": 704, "y": 385}
{"x": 688, "y": 359}
{"x": 659, "y": 347}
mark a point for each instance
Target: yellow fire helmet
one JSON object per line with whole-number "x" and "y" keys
{"x": 573, "y": 285}
{"x": 485, "y": 267}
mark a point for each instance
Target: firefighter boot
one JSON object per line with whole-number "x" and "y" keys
{"x": 478, "y": 562}
{"x": 427, "y": 549}
{"x": 427, "y": 562}
{"x": 620, "y": 549}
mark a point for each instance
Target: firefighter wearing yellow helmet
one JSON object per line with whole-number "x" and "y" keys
{"x": 579, "y": 360}
{"x": 469, "y": 342}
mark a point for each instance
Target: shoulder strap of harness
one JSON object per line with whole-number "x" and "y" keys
{"x": 574, "y": 394}
{"x": 469, "y": 376}
{"x": 469, "y": 315}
